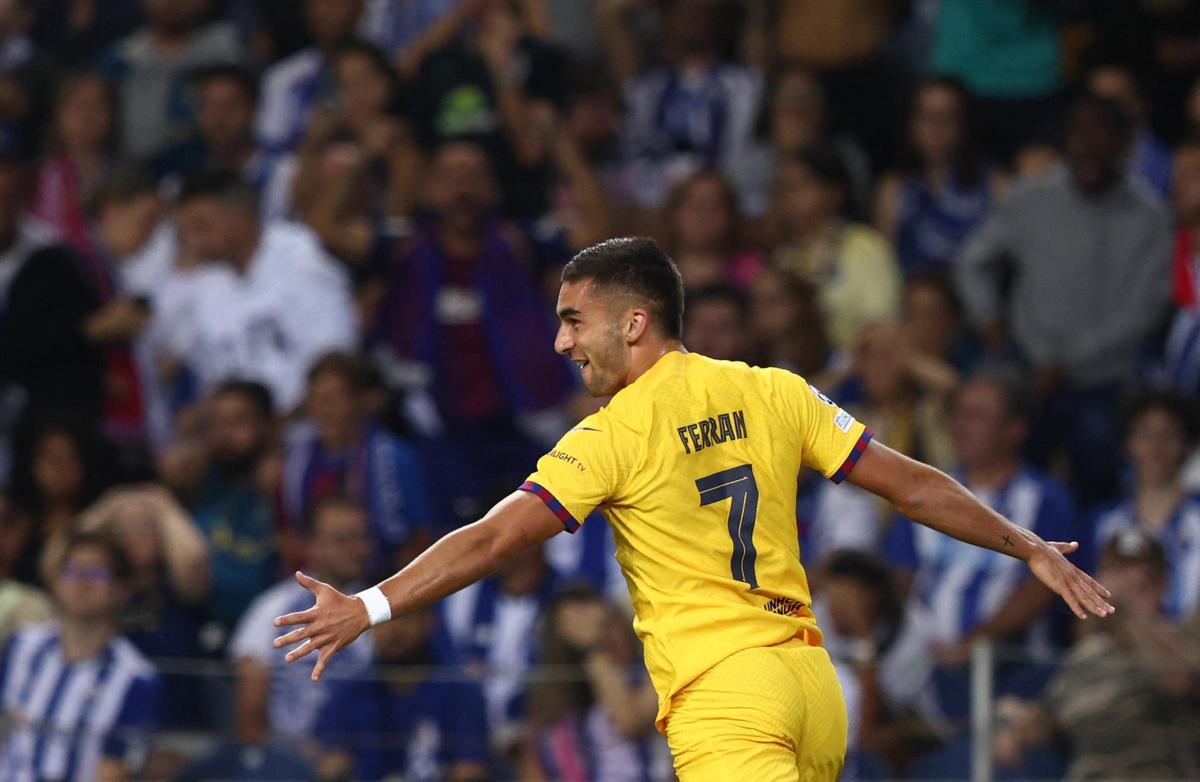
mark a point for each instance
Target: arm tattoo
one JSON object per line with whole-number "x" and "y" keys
{"x": 1008, "y": 542}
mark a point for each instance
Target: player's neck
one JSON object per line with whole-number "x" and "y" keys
{"x": 646, "y": 356}
{"x": 993, "y": 474}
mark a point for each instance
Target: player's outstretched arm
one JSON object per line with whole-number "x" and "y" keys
{"x": 460, "y": 558}
{"x": 930, "y": 497}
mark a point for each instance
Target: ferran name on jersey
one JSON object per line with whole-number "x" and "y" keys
{"x": 713, "y": 430}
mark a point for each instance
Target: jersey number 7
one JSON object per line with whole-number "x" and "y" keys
{"x": 736, "y": 484}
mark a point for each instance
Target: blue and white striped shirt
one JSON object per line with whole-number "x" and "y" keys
{"x": 64, "y": 717}
{"x": 294, "y": 701}
{"x": 961, "y": 586}
{"x": 1180, "y": 539}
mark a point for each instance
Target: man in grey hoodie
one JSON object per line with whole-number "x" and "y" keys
{"x": 1088, "y": 253}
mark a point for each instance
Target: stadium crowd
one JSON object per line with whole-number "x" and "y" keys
{"x": 276, "y": 288}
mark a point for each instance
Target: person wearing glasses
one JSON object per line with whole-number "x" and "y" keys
{"x": 77, "y": 699}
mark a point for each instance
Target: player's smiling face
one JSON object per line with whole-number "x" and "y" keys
{"x": 590, "y": 333}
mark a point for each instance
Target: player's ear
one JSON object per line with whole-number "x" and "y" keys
{"x": 636, "y": 324}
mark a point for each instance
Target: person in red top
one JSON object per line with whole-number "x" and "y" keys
{"x": 1181, "y": 361}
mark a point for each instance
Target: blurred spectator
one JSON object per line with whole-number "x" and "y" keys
{"x": 960, "y": 595}
{"x": 293, "y": 88}
{"x": 797, "y": 119}
{"x": 53, "y": 330}
{"x": 696, "y": 107}
{"x": 1181, "y": 359}
{"x": 580, "y": 213}
{"x": 20, "y": 604}
{"x": 787, "y": 326}
{"x": 169, "y": 581}
{"x": 344, "y": 451}
{"x": 74, "y": 32}
{"x": 79, "y": 157}
{"x": 67, "y": 466}
{"x": 1121, "y": 696}
{"x": 589, "y": 559}
{"x": 1191, "y": 110}
{"x": 267, "y": 301}
{"x": 903, "y": 393}
{"x": 227, "y": 478}
{"x": 1160, "y": 433}
{"x": 845, "y": 44}
{"x": 152, "y": 68}
{"x": 1008, "y": 53}
{"x": 490, "y": 627}
{"x": 123, "y": 218}
{"x": 944, "y": 188}
{"x": 226, "y": 103}
{"x": 935, "y": 323}
{"x": 27, "y": 80}
{"x": 481, "y": 88}
{"x": 107, "y": 691}
{"x": 1081, "y": 241}
{"x": 399, "y": 718}
{"x": 1148, "y": 159}
{"x": 360, "y": 143}
{"x": 598, "y": 723}
{"x": 367, "y": 87}
{"x": 593, "y": 120}
{"x": 358, "y": 195}
{"x": 703, "y": 233}
{"x": 715, "y": 324}
{"x": 276, "y": 699}
{"x": 850, "y": 264}
{"x": 463, "y": 317}
{"x": 861, "y": 612}
{"x": 408, "y": 31}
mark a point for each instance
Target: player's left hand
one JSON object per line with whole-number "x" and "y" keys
{"x": 333, "y": 622}
{"x": 1081, "y": 592}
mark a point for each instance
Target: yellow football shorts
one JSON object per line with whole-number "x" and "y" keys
{"x": 767, "y": 714}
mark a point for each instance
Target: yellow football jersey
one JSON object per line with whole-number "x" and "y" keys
{"x": 695, "y": 466}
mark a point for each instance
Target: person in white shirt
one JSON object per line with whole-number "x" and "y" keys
{"x": 264, "y": 303}
{"x": 271, "y": 698}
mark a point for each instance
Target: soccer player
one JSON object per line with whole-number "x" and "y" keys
{"x": 694, "y": 463}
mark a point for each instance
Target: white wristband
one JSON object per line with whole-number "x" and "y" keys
{"x": 379, "y": 610}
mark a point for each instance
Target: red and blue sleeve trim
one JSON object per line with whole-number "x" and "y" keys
{"x": 855, "y": 454}
{"x": 552, "y": 503}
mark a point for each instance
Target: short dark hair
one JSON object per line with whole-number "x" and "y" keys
{"x": 257, "y": 394}
{"x": 940, "y": 282}
{"x": 330, "y": 501}
{"x": 826, "y": 164}
{"x": 1178, "y": 407}
{"x": 635, "y": 265}
{"x": 1135, "y": 546}
{"x": 130, "y": 181}
{"x": 1113, "y": 113}
{"x": 1013, "y": 385}
{"x": 122, "y": 570}
{"x": 226, "y": 187}
{"x": 243, "y": 78}
{"x": 349, "y": 367}
{"x": 379, "y": 61}
{"x": 720, "y": 292}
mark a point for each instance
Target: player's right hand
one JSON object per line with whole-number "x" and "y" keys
{"x": 1081, "y": 592}
{"x": 333, "y": 622}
